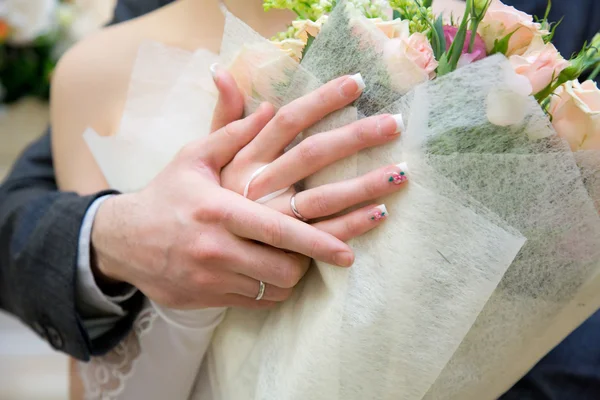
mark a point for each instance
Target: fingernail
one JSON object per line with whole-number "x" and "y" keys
{"x": 399, "y": 122}
{"x": 214, "y": 68}
{"x": 344, "y": 259}
{"x": 352, "y": 85}
{"x": 390, "y": 125}
{"x": 378, "y": 213}
{"x": 400, "y": 176}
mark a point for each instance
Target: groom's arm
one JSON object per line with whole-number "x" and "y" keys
{"x": 43, "y": 261}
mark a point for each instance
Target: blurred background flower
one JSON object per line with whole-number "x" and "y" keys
{"x": 33, "y": 36}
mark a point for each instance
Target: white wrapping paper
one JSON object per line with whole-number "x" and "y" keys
{"x": 489, "y": 258}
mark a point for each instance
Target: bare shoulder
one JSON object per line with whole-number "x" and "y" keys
{"x": 91, "y": 79}
{"x": 89, "y": 89}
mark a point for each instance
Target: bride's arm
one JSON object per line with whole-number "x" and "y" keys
{"x": 88, "y": 90}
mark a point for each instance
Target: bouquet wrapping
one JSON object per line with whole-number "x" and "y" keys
{"x": 491, "y": 258}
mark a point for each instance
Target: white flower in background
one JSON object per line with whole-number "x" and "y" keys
{"x": 28, "y": 19}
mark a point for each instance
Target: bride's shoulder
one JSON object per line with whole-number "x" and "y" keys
{"x": 90, "y": 81}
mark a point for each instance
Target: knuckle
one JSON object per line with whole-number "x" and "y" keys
{"x": 287, "y": 119}
{"x": 321, "y": 203}
{"x": 210, "y": 252}
{"x": 371, "y": 189}
{"x": 351, "y": 227}
{"x": 273, "y": 232}
{"x": 322, "y": 97}
{"x": 289, "y": 277}
{"x": 309, "y": 149}
{"x": 360, "y": 132}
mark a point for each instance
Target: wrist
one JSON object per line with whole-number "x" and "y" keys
{"x": 106, "y": 253}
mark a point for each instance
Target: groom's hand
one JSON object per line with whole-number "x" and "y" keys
{"x": 185, "y": 242}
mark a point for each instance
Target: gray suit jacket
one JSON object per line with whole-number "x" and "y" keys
{"x": 39, "y": 235}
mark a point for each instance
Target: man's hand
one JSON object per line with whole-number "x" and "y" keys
{"x": 185, "y": 242}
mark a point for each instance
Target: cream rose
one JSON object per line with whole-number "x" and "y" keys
{"x": 304, "y": 28}
{"x": 540, "y": 63}
{"x": 575, "y": 110}
{"x": 410, "y": 61}
{"x": 293, "y": 47}
{"x": 394, "y": 28}
{"x": 28, "y": 19}
{"x": 500, "y": 20}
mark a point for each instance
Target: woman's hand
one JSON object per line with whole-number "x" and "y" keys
{"x": 186, "y": 242}
{"x": 310, "y": 156}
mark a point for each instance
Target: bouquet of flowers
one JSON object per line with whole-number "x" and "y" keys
{"x": 33, "y": 36}
{"x": 493, "y": 256}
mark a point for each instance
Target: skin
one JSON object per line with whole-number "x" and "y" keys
{"x": 192, "y": 252}
{"x": 188, "y": 248}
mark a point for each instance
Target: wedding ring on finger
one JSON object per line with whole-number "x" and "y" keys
{"x": 295, "y": 209}
{"x": 261, "y": 290}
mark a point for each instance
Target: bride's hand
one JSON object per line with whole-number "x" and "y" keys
{"x": 310, "y": 156}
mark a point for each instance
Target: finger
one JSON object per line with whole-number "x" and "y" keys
{"x": 264, "y": 263}
{"x": 330, "y": 199}
{"x": 250, "y": 287}
{"x": 218, "y": 149}
{"x": 230, "y": 106}
{"x": 247, "y": 219}
{"x": 355, "y": 223}
{"x": 318, "y": 151}
{"x": 304, "y": 112}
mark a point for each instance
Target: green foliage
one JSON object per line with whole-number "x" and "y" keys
{"x": 501, "y": 46}
{"x": 26, "y": 71}
{"x": 449, "y": 61}
{"x": 418, "y": 12}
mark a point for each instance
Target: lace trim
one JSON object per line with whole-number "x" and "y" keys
{"x": 104, "y": 377}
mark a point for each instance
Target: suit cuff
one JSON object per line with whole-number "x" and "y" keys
{"x": 99, "y": 311}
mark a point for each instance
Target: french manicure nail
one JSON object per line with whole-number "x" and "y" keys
{"x": 378, "y": 213}
{"x": 399, "y": 122}
{"x": 213, "y": 71}
{"x": 353, "y": 85}
{"x": 401, "y": 176}
{"x": 344, "y": 259}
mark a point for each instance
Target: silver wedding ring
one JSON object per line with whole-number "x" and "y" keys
{"x": 295, "y": 210}
{"x": 261, "y": 290}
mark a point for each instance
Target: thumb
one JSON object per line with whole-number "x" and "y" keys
{"x": 218, "y": 149}
{"x": 230, "y": 106}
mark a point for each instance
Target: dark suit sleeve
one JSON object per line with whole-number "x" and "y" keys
{"x": 39, "y": 236}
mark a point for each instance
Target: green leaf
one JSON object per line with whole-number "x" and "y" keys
{"x": 437, "y": 38}
{"x": 309, "y": 42}
{"x": 455, "y": 50}
{"x": 396, "y": 15}
{"x": 444, "y": 66}
{"x": 427, "y": 3}
{"x": 501, "y": 46}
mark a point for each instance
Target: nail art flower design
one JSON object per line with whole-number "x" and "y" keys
{"x": 378, "y": 213}
{"x": 398, "y": 177}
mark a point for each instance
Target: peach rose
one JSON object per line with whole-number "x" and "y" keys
{"x": 292, "y": 47}
{"x": 575, "y": 110}
{"x": 500, "y": 20}
{"x": 540, "y": 63}
{"x": 410, "y": 61}
{"x": 394, "y": 28}
{"x": 304, "y": 28}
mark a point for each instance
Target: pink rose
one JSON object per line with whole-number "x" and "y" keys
{"x": 500, "y": 20}
{"x": 575, "y": 110}
{"x": 478, "y": 52}
{"x": 540, "y": 63}
{"x": 410, "y": 61}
